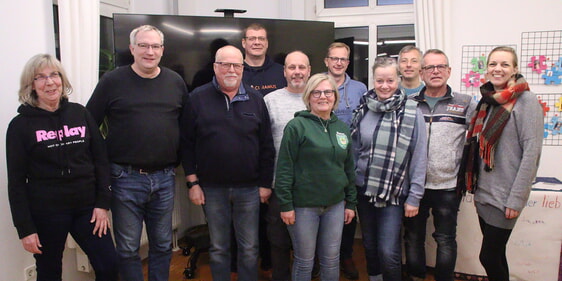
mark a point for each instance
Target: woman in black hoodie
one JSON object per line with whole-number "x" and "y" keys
{"x": 58, "y": 173}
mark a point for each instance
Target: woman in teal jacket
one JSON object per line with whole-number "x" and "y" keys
{"x": 315, "y": 180}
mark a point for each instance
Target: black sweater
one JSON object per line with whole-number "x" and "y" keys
{"x": 143, "y": 116}
{"x": 227, "y": 143}
{"x": 56, "y": 161}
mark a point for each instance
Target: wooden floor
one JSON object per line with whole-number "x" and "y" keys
{"x": 203, "y": 272}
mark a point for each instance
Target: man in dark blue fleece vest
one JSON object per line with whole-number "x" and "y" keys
{"x": 228, "y": 160}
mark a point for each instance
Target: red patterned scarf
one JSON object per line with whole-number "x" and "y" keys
{"x": 481, "y": 141}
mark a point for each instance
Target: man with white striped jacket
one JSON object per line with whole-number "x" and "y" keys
{"x": 447, "y": 116}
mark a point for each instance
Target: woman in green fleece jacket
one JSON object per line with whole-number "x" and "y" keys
{"x": 315, "y": 180}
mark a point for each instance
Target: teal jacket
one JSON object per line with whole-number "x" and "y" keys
{"x": 315, "y": 167}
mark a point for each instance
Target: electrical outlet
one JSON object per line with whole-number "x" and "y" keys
{"x": 30, "y": 273}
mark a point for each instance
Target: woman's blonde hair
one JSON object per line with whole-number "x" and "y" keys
{"x": 27, "y": 94}
{"x": 313, "y": 83}
{"x": 505, "y": 49}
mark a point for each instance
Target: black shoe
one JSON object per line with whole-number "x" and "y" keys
{"x": 348, "y": 268}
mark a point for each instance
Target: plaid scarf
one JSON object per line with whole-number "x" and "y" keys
{"x": 390, "y": 147}
{"x": 482, "y": 141}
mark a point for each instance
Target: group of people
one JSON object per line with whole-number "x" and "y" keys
{"x": 279, "y": 159}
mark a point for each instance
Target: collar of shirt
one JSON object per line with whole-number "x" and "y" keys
{"x": 242, "y": 95}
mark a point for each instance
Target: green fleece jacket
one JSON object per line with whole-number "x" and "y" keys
{"x": 315, "y": 167}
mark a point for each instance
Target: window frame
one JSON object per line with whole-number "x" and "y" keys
{"x": 371, "y": 16}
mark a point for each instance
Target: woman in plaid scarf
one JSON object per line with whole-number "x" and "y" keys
{"x": 502, "y": 154}
{"x": 390, "y": 147}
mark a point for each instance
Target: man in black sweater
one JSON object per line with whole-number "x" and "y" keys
{"x": 142, "y": 103}
{"x": 228, "y": 160}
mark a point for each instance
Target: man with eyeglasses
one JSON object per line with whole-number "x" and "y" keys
{"x": 447, "y": 115}
{"x": 282, "y": 105}
{"x": 142, "y": 104}
{"x": 260, "y": 71}
{"x": 337, "y": 61}
{"x": 228, "y": 158}
{"x": 409, "y": 62}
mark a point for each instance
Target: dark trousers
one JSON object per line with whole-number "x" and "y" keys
{"x": 492, "y": 253}
{"x": 280, "y": 242}
{"x": 53, "y": 228}
{"x": 265, "y": 247}
{"x": 347, "y": 239}
{"x": 444, "y": 206}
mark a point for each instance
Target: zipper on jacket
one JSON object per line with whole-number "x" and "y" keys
{"x": 227, "y": 101}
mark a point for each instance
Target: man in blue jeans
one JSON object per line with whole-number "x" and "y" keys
{"x": 142, "y": 103}
{"x": 228, "y": 157}
{"x": 447, "y": 116}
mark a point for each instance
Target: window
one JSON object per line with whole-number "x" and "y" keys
{"x": 357, "y": 38}
{"x": 392, "y": 38}
{"x": 345, "y": 3}
{"x": 394, "y": 2}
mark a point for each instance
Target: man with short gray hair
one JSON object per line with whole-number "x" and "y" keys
{"x": 228, "y": 157}
{"x": 447, "y": 116}
{"x": 142, "y": 103}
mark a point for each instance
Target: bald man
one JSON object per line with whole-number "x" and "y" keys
{"x": 282, "y": 105}
{"x": 228, "y": 157}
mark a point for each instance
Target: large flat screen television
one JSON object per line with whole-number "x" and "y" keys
{"x": 190, "y": 41}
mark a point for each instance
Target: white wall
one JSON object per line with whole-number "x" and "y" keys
{"x": 255, "y": 9}
{"x": 274, "y": 9}
{"x": 164, "y": 7}
{"x": 501, "y": 22}
{"x": 25, "y": 32}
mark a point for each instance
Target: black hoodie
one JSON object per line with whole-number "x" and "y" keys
{"x": 56, "y": 161}
{"x": 266, "y": 78}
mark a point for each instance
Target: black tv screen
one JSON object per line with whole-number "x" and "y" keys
{"x": 190, "y": 41}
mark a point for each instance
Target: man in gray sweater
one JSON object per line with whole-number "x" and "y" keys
{"x": 447, "y": 116}
{"x": 282, "y": 105}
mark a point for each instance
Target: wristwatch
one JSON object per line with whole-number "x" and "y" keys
{"x": 191, "y": 184}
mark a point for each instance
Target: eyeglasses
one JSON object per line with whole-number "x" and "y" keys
{"x": 318, "y": 93}
{"x": 336, "y": 59}
{"x": 228, "y": 65}
{"x": 55, "y": 76}
{"x": 254, "y": 38}
{"x": 146, "y": 46}
{"x": 439, "y": 67}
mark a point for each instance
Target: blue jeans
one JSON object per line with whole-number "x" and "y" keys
{"x": 53, "y": 228}
{"x": 444, "y": 207}
{"x": 381, "y": 238}
{"x": 317, "y": 227}
{"x": 136, "y": 198}
{"x": 225, "y": 206}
